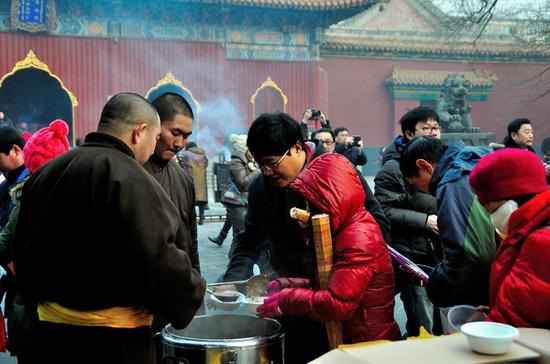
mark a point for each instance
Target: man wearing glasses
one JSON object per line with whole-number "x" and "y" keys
{"x": 413, "y": 218}
{"x": 285, "y": 160}
{"x": 325, "y": 136}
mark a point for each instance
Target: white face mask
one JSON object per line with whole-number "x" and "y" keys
{"x": 501, "y": 216}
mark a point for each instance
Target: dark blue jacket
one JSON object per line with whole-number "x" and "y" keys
{"x": 465, "y": 231}
{"x": 6, "y": 204}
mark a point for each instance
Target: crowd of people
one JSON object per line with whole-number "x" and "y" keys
{"x": 124, "y": 200}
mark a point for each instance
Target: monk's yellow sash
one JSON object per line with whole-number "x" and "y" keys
{"x": 116, "y": 317}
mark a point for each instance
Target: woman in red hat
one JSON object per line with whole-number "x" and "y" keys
{"x": 511, "y": 185}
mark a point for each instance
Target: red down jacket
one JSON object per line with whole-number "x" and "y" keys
{"x": 361, "y": 287}
{"x": 520, "y": 275}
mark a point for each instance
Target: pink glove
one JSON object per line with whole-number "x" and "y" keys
{"x": 274, "y": 287}
{"x": 277, "y": 285}
{"x": 270, "y": 308}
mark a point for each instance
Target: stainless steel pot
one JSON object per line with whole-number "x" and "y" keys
{"x": 224, "y": 339}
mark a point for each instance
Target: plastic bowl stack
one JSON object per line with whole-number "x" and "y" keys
{"x": 489, "y": 337}
{"x": 462, "y": 314}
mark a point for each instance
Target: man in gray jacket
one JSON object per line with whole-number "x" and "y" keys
{"x": 413, "y": 217}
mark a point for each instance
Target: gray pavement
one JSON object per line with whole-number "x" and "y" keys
{"x": 213, "y": 258}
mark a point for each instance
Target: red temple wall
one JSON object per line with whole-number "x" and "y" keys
{"x": 75, "y": 61}
{"x": 351, "y": 91}
{"x": 94, "y": 68}
{"x": 359, "y": 99}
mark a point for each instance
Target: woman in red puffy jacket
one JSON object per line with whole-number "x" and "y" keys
{"x": 511, "y": 185}
{"x": 360, "y": 292}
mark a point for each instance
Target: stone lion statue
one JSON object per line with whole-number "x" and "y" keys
{"x": 453, "y": 107}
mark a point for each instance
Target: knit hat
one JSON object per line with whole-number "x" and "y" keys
{"x": 507, "y": 173}
{"x": 47, "y": 143}
{"x": 239, "y": 142}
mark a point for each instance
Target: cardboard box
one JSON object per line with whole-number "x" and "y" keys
{"x": 338, "y": 356}
{"x": 447, "y": 349}
{"x": 537, "y": 340}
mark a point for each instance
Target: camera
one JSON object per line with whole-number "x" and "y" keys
{"x": 356, "y": 140}
{"x": 315, "y": 114}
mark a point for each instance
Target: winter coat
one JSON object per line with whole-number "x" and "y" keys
{"x": 96, "y": 231}
{"x": 465, "y": 230}
{"x": 20, "y": 327}
{"x": 354, "y": 154}
{"x": 6, "y": 234}
{"x": 6, "y": 205}
{"x": 361, "y": 288}
{"x": 268, "y": 223}
{"x": 195, "y": 162}
{"x": 407, "y": 208}
{"x": 241, "y": 174}
{"x": 520, "y": 275}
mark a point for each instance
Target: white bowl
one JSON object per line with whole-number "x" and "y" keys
{"x": 251, "y": 304}
{"x": 489, "y": 337}
{"x": 227, "y": 300}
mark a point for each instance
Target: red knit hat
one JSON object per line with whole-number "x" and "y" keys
{"x": 47, "y": 143}
{"x": 508, "y": 173}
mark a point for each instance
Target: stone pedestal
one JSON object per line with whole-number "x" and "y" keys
{"x": 478, "y": 139}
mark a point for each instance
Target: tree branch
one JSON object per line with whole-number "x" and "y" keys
{"x": 486, "y": 16}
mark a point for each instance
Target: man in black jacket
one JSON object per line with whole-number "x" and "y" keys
{"x": 283, "y": 155}
{"x": 12, "y": 166}
{"x": 349, "y": 147}
{"x": 413, "y": 217}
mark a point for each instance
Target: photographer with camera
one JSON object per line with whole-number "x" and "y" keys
{"x": 350, "y": 147}
{"x": 317, "y": 117}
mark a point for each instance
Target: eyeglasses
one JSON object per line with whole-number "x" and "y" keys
{"x": 428, "y": 129}
{"x": 272, "y": 166}
{"x": 326, "y": 142}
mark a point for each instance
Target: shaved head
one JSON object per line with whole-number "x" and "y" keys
{"x": 170, "y": 104}
{"x": 132, "y": 119}
{"x": 125, "y": 111}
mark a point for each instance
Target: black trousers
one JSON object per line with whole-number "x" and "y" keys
{"x": 63, "y": 344}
